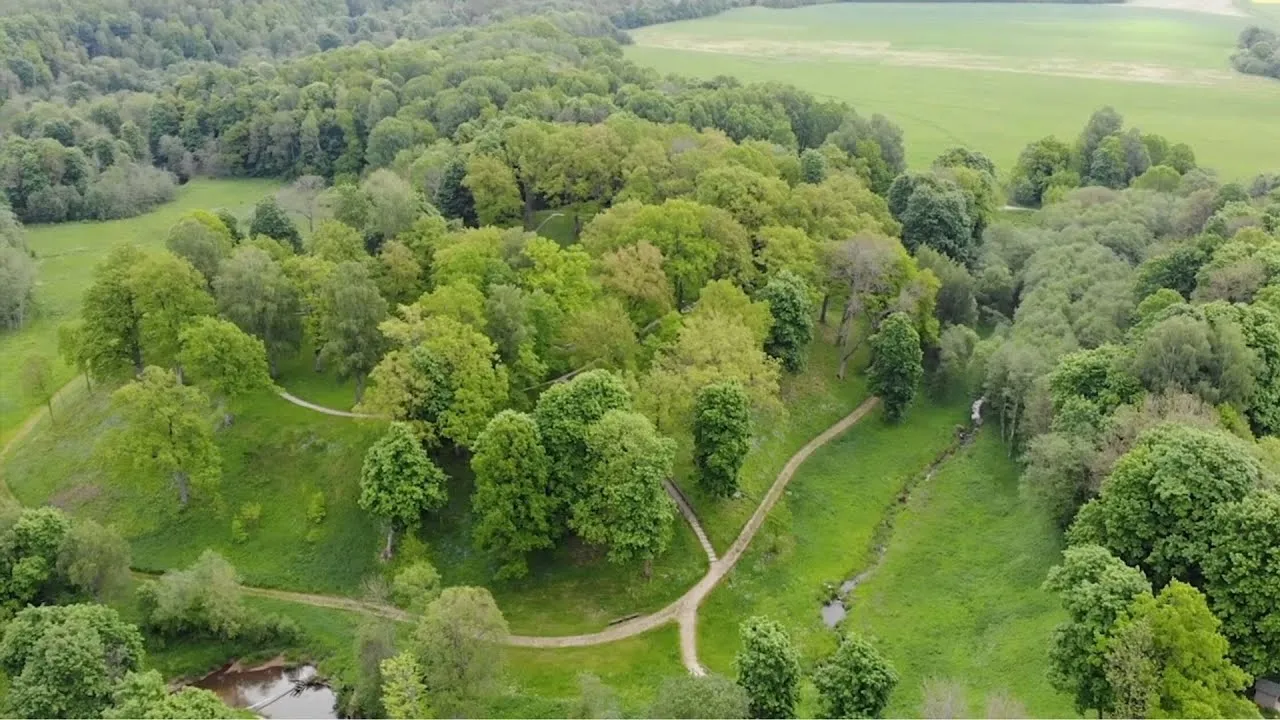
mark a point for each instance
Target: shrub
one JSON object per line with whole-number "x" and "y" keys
{"x": 416, "y": 586}
{"x": 317, "y": 508}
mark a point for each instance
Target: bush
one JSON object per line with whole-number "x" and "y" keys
{"x": 317, "y": 508}
{"x": 416, "y": 586}
{"x": 123, "y": 191}
{"x": 245, "y": 521}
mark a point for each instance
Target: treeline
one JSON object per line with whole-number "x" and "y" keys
{"x": 1258, "y": 53}
{"x": 339, "y": 114}
{"x": 1133, "y": 369}
{"x": 135, "y": 44}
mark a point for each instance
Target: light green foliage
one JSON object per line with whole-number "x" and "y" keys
{"x": 781, "y": 249}
{"x": 37, "y": 376}
{"x": 317, "y": 507}
{"x": 145, "y": 695}
{"x": 64, "y": 660}
{"x": 169, "y": 294}
{"x": 472, "y": 255}
{"x": 399, "y": 273}
{"x": 458, "y": 646}
{"x": 895, "y": 369}
{"x": 1240, "y": 579}
{"x": 222, "y": 359}
{"x": 709, "y": 348}
{"x": 245, "y": 521}
{"x": 699, "y": 696}
{"x": 1158, "y": 508}
{"x": 350, "y": 308}
{"x": 635, "y": 273}
{"x": 856, "y": 681}
{"x": 752, "y": 198}
{"x": 1160, "y": 178}
{"x": 622, "y": 504}
{"x": 459, "y": 299}
{"x": 493, "y": 185}
{"x": 513, "y": 501}
{"x": 721, "y": 436}
{"x": 111, "y": 337}
{"x": 202, "y": 599}
{"x": 449, "y": 381}
{"x": 202, "y": 240}
{"x": 1186, "y": 672}
{"x": 560, "y": 273}
{"x": 165, "y": 435}
{"x": 598, "y": 335}
{"x": 416, "y": 586}
{"x": 94, "y": 559}
{"x": 253, "y": 292}
{"x": 1096, "y": 589}
{"x": 403, "y": 693}
{"x": 337, "y": 243}
{"x": 957, "y": 300}
{"x": 398, "y": 482}
{"x": 723, "y": 298}
{"x": 1041, "y": 165}
{"x": 595, "y": 699}
{"x": 698, "y": 243}
{"x": 768, "y": 669}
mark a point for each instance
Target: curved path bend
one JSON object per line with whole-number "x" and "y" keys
{"x": 684, "y": 610}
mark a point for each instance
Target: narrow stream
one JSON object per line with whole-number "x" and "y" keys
{"x": 835, "y": 610}
{"x": 274, "y": 691}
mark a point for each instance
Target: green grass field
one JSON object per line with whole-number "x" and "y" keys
{"x": 958, "y": 594}
{"x": 67, "y": 255}
{"x": 995, "y": 76}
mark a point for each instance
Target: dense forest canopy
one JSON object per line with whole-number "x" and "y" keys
{"x": 1125, "y": 334}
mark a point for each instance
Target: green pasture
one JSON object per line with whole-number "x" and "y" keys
{"x": 68, "y": 253}
{"x": 995, "y": 76}
{"x": 958, "y": 594}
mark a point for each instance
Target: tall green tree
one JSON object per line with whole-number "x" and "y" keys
{"x": 1183, "y": 670}
{"x": 896, "y": 367}
{"x": 350, "y": 309}
{"x": 564, "y": 412}
{"x": 270, "y": 220}
{"x": 165, "y": 433}
{"x": 856, "y": 681}
{"x": 622, "y": 504}
{"x": 253, "y": 292}
{"x": 1096, "y": 589}
{"x": 791, "y": 305}
{"x": 111, "y": 337}
{"x": 399, "y": 482}
{"x": 768, "y": 668}
{"x": 458, "y": 644}
{"x": 64, "y": 660}
{"x": 1158, "y": 509}
{"x": 146, "y": 695}
{"x": 403, "y": 692}
{"x": 221, "y": 359}
{"x": 170, "y": 294}
{"x": 1242, "y": 580}
{"x": 512, "y": 502}
{"x": 721, "y": 436}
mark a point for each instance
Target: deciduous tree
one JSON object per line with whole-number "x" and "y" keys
{"x": 350, "y": 309}
{"x": 458, "y": 645}
{"x": 224, "y": 361}
{"x": 791, "y": 306}
{"x": 399, "y": 482}
{"x": 270, "y": 220}
{"x": 721, "y": 436}
{"x": 165, "y": 433}
{"x": 856, "y": 681}
{"x": 699, "y": 696}
{"x": 622, "y": 504}
{"x": 512, "y": 502}
{"x": 768, "y": 668}
{"x": 254, "y": 293}
{"x": 895, "y": 369}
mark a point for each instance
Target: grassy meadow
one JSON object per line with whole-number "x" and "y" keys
{"x": 995, "y": 76}
{"x": 957, "y": 593}
{"x": 67, "y": 255}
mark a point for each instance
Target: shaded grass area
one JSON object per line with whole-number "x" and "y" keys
{"x": 958, "y": 594}
{"x": 822, "y": 532}
{"x": 67, "y": 254}
{"x": 278, "y": 455}
{"x": 815, "y": 400}
{"x": 939, "y": 103}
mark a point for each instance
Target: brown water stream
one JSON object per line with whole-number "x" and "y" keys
{"x": 274, "y": 691}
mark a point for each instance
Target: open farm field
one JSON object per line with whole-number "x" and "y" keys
{"x": 995, "y": 76}
{"x": 67, "y": 255}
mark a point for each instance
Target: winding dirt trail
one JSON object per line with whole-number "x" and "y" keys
{"x": 683, "y": 611}
{"x": 322, "y": 409}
